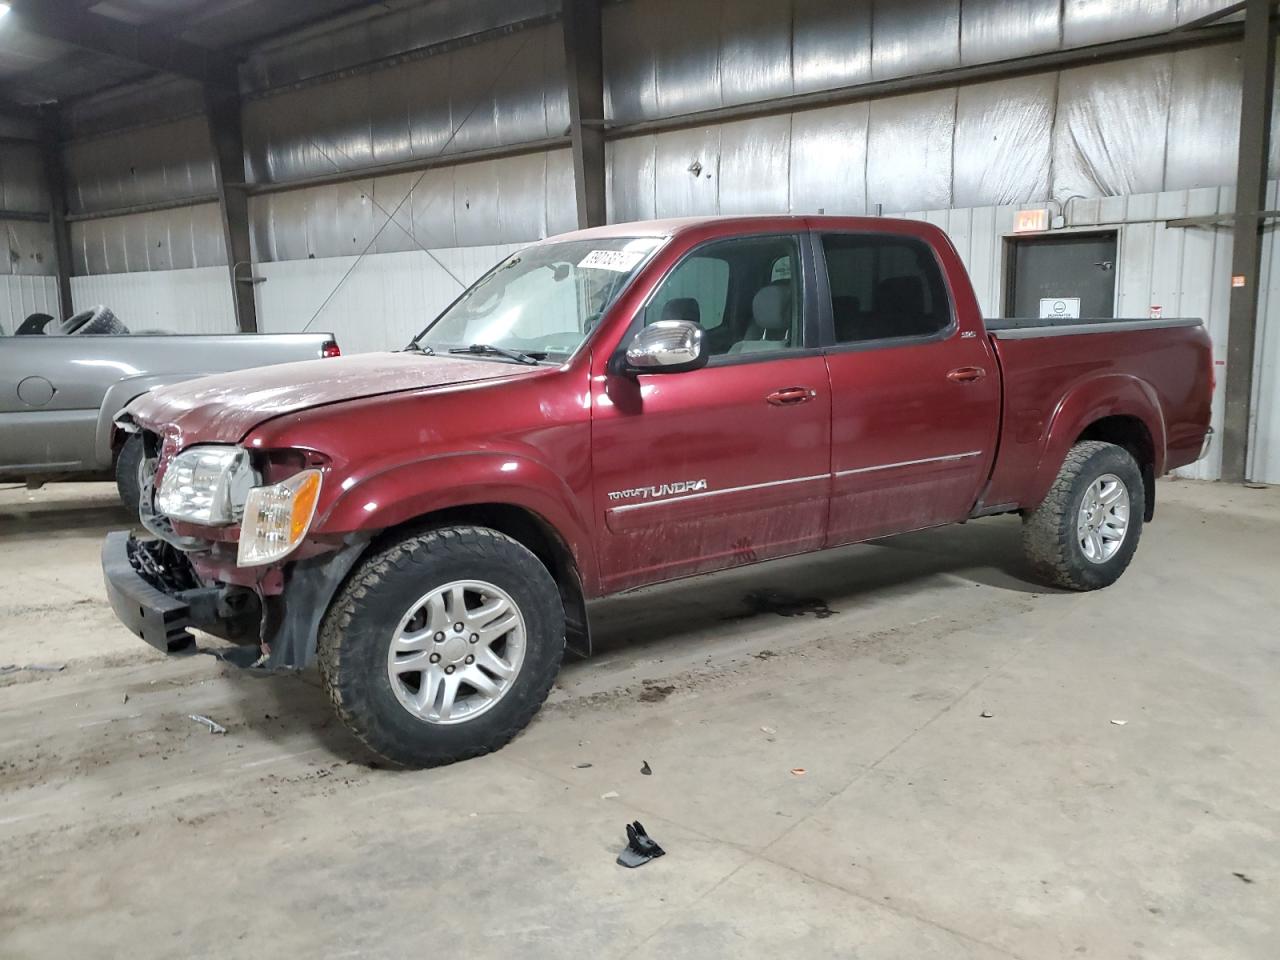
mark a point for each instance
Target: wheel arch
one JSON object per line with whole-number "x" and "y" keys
{"x": 1116, "y": 409}
{"x": 529, "y": 529}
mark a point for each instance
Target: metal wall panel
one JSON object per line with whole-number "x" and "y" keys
{"x": 28, "y": 249}
{"x": 687, "y": 55}
{"x": 630, "y": 45}
{"x": 630, "y": 171}
{"x": 168, "y": 161}
{"x": 391, "y": 198}
{"x": 1003, "y": 141}
{"x": 1109, "y": 138}
{"x": 755, "y": 51}
{"x": 1098, "y": 21}
{"x": 1204, "y": 112}
{"x": 909, "y": 151}
{"x": 831, "y": 42}
{"x": 755, "y": 161}
{"x": 22, "y": 178}
{"x": 914, "y": 36}
{"x": 522, "y": 197}
{"x": 507, "y": 90}
{"x": 828, "y": 169}
{"x": 21, "y": 296}
{"x": 562, "y": 209}
{"x": 432, "y": 203}
{"x": 678, "y": 190}
{"x": 397, "y": 31}
{"x": 184, "y": 237}
{"x": 176, "y": 301}
{"x": 999, "y": 30}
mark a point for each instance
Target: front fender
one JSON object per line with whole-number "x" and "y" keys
{"x": 411, "y": 490}
{"x": 1087, "y": 402}
{"x": 118, "y": 396}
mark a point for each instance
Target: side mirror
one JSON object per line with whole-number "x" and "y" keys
{"x": 668, "y": 346}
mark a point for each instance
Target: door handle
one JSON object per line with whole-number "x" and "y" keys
{"x": 790, "y": 396}
{"x": 966, "y": 374}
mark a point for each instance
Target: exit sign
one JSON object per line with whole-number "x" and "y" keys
{"x": 1031, "y": 221}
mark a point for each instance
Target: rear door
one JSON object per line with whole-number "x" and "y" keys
{"x": 915, "y": 390}
{"x": 706, "y": 469}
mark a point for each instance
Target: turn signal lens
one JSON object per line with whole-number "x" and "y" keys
{"x": 276, "y": 518}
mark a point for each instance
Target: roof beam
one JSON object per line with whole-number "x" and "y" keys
{"x": 65, "y": 21}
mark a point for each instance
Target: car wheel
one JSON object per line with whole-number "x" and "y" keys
{"x": 1084, "y": 533}
{"x": 443, "y": 646}
{"x": 128, "y": 473}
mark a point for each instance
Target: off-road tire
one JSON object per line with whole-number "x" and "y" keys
{"x": 1049, "y": 539}
{"x": 359, "y": 626}
{"x": 128, "y": 464}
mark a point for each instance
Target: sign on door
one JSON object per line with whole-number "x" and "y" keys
{"x": 1054, "y": 308}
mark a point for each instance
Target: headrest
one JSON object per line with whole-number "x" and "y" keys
{"x": 682, "y": 308}
{"x": 771, "y": 307}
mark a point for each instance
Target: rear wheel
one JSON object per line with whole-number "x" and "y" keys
{"x": 1084, "y": 533}
{"x": 443, "y": 646}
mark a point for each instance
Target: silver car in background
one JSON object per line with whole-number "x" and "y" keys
{"x": 59, "y": 394}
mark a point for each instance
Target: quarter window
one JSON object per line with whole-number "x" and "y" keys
{"x": 884, "y": 287}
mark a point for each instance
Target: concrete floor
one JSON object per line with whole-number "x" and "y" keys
{"x": 920, "y": 827}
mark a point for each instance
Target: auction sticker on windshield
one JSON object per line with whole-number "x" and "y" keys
{"x": 623, "y": 261}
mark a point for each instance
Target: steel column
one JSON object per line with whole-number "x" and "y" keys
{"x": 1258, "y": 61}
{"x": 584, "y": 63}
{"x": 223, "y": 110}
{"x": 55, "y": 183}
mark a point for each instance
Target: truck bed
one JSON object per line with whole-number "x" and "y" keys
{"x": 1058, "y": 373}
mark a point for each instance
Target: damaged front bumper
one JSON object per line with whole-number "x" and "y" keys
{"x": 160, "y": 602}
{"x": 156, "y": 592}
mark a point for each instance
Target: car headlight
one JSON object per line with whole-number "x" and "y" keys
{"x": 277, "y": 517}
{"x": 206, "y": 484}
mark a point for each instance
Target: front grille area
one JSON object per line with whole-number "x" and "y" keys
{"x": 162, "y": 566}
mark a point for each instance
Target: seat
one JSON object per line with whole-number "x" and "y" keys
{"x": 682, "y": 308}
{"x": 899, "y": 309}
{"x": 770, "y": 327}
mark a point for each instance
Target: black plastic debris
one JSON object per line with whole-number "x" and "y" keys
{"x": 640, "y": 849}
{"x": 646, "y": 769}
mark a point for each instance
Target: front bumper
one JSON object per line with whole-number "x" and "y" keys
{"x": 159, "y": 618}
{"x": 161, "y": 608}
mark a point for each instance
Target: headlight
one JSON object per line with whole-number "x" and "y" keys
{"x": 276, "y": 518}
{"x": 206, "y": 484}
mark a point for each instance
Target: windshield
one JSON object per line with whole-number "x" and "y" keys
{"x": 542, "y": 301}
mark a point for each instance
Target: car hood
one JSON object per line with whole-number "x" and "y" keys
{"x": 224, "y": 407}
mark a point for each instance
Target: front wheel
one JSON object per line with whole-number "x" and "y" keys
{"x": 128, "y": 473}
{"x": 1084, "y": 533}
{"x": 443, "y": 646}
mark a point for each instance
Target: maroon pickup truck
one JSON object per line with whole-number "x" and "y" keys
{"x": 618, "y": 407}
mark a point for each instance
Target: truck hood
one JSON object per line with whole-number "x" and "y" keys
{"x": 224, "y": 407}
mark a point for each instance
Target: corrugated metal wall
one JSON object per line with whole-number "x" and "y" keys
{"x": 1109, "y": 130}
{"x": 511, "y": 200}
{"x": 175, "y": 301}
{"x": 23, "y": 295}
{"x": 505, "y": 91}
{"x": 178, "y": 239}
{"x": 381, "y": 304}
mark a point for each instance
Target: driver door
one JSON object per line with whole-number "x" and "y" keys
{"x": 726, "y": 465}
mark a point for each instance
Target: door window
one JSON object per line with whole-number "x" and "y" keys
{"x": 883, "y": 287}
{"x": 741, "y": 292}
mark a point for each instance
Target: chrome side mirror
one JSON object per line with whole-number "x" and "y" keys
{"x": 668, "y": 346}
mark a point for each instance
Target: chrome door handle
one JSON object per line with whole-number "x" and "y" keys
{"x": 966, "y": 374}
{"x": 790, "y": 396}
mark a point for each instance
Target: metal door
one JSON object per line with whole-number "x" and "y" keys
{"x": 1062, "y": 276}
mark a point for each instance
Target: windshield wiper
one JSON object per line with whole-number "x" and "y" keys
{"x": 415, "y": 347}
{"x": 486, "y": 350}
